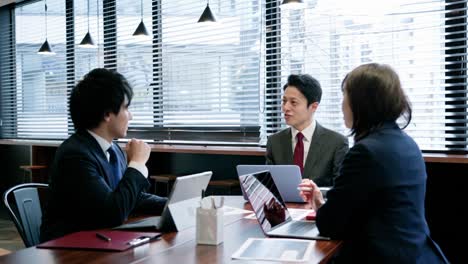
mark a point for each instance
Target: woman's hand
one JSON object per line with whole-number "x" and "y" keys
{"x": 311, "y": 194}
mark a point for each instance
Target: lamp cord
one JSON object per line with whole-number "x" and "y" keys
{"x": 45, "y": 9}
{"x": 88, "y": 16}
{"x": 141, "y": 7}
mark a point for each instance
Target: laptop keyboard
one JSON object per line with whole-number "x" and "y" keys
{"x": 300, "y": 227}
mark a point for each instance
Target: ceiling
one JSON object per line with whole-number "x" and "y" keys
{"x": 7, "y": 2}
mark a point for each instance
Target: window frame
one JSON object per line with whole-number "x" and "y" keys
{"x": 243, "y": 135}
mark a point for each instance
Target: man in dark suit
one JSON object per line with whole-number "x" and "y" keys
{"x": 320, "y": 150}
{"x": 91, "y": 185}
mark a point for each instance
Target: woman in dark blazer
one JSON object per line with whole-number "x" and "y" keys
{"x": 377, "y": 203}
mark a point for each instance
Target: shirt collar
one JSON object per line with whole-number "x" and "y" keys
{"x": 104, "y": 144}
{"x": 308, "y": 132}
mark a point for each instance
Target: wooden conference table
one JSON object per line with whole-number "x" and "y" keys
{"x": 175, "y": 247}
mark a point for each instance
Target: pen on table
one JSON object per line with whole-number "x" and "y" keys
{"x": 103, "y": 237}
{"x": 203, "y": 193}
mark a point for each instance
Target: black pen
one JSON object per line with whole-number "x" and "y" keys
{"x": 103, "y": 237}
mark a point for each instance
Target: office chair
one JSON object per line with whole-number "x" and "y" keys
{"x": 24, "y": 207}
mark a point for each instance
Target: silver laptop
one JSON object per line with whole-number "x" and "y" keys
{"x": 184, "y": 197}
{"x": 287, "y": 178}
{"x": 270, "y": 209}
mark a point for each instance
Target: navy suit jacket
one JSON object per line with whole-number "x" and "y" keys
{"x": 377, "y": 203}
{"x": 80, "y": 196}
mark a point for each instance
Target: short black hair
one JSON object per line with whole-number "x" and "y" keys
{"x": 100, "y": 92}
{"x": 375, "y": 96}
{"x": 307, "y": 85}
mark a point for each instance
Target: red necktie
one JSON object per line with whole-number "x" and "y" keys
{"x": 299, "y": 152}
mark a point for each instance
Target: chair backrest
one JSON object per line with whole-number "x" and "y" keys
{"x": 24, "y": 206}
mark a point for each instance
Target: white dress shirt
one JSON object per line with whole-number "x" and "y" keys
{"x": 105, "y": 145}
{"x": 308, "y": 132}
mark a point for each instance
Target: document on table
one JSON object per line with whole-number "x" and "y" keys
{"x": 275, "y": 249}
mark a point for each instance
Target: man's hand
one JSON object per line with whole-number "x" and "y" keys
{"x": 138, "y": 151}
{"x": 310, "y": 193}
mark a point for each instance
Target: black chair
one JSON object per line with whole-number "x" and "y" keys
{"x": 24, "y": 205}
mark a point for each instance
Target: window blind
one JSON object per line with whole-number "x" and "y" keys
{"x": 135, "y": 58}
{"x": 424, "y": 41}
{"x": 36, "y": 104}
{"x": 87, "y": 16}
{"x": 194, "y": 81}
{"x": 220, "y": 83}
{"x": 7, "y": 71}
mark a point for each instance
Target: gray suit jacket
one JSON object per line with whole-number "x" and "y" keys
{"x": 323, "y": 162}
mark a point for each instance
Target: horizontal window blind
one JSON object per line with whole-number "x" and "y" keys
{"x": 39, "y": 108}
{"x": 192, "y": 81}
{"x": 222, "y": 82}
{"x": 7, "y": 73}
{"x": 327, "y": 39}
{"x": 88, "y": 17}
{"x": 135, "y": 58}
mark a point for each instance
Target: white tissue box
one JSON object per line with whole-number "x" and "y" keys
{"x": 209, "y": 230}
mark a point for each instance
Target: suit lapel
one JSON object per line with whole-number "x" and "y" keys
{"x": 287, "y": 149}
{"x": 314, "y": 150}
{"x": 96, "y": 150}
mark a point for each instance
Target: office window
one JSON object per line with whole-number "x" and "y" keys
{"x": 222, "y": 83}
{"x": 206, "y": 77}
{"x": 88, "y": 17}
{"x": 211, "y": 72}
{"x": 135, "y": 59}
{"x": 327, "y": 39}
{"x": 39, "y": 98}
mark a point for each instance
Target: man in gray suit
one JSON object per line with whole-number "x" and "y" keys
{"x": 318, "y": 151}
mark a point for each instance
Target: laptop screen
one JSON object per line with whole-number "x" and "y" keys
{"x": 265, "y": 199}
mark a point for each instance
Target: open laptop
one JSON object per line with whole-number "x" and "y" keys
{"x": 286, "y": 177}
{"x": 179, "y": 211}
{"x": 262, "y": 192}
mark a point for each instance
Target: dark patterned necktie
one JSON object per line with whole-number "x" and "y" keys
{"x": 115, "y": 166}
{"x": 299, "y": 152}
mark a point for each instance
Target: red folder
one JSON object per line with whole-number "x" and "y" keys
{"x": 119, "y": 240}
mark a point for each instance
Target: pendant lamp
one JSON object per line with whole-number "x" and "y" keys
{"x": 207, "y": 15}
{"x": 141, "y": 29}
{"x": 286, "y": 2}
{"x": 87, "y": 41}
{"x": 293, "y": 4}
{"x": 45, "y": 49}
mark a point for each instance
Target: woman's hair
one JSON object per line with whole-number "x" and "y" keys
{"x": 375, "y": 96}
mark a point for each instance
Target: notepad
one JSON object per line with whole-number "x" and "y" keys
{"x": 119, "y": 240}
{"x": 265, "y": 249}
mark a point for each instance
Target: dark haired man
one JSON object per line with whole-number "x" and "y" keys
{"x": 317, "y": 151}
{"x": 91, "y": 185}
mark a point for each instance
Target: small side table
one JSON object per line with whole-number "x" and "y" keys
{"x": 32, "y": 173}
{"x": 226, "y": 184}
